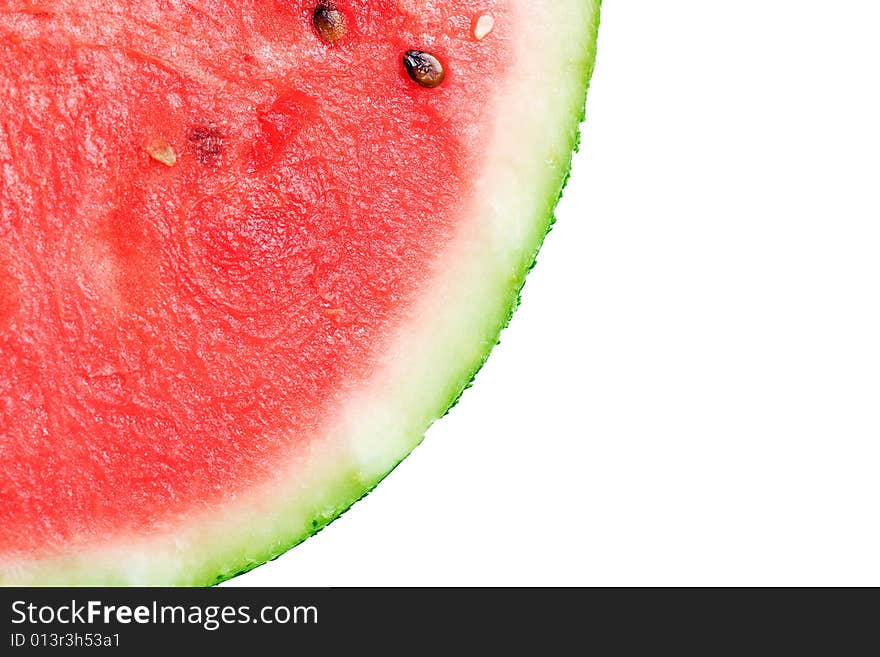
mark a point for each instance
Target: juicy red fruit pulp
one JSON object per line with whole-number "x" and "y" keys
{"x": 210, "y": 219}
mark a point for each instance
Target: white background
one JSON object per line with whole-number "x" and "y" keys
{"x": 689, "y": 394}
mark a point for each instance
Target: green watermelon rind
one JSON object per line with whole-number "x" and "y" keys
{"x": 218, "y": 549}
{"x": 320, "y": 523}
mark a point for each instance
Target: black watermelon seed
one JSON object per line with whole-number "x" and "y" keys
{"x": 424, "y": 68}
{"x": 329, "y": 22}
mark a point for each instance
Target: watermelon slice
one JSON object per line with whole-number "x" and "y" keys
{"x": 249, "y": 251}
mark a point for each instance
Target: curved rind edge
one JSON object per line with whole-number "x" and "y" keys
{"x": 549, "y": 222}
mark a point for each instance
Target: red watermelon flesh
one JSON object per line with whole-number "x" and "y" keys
{"x": 219, "y": 223}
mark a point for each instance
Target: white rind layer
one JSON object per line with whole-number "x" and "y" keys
{"x": 430, "y": 361}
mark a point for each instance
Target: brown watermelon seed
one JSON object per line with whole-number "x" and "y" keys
{"x": 424, "y": 68}
{"x": 329, "y": 22}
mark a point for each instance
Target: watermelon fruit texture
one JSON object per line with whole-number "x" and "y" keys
{"x": 249, "y": 252}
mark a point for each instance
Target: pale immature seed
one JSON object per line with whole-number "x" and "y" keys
{"x": 484, "y": 24}
{"x": 161, "y": 151}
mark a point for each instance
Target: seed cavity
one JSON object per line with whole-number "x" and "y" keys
{"x": 484, "y": 24}
{"x": 424, "y": 68}
{"x": 161, "y": 151}
{"x": 329, "y": 22}
{"x": 208, "y": 143}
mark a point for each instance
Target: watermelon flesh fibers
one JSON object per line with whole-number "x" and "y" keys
{"x": 248, "y": 253}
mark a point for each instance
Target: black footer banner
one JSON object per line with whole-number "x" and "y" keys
{"x": 418, "y": 620}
